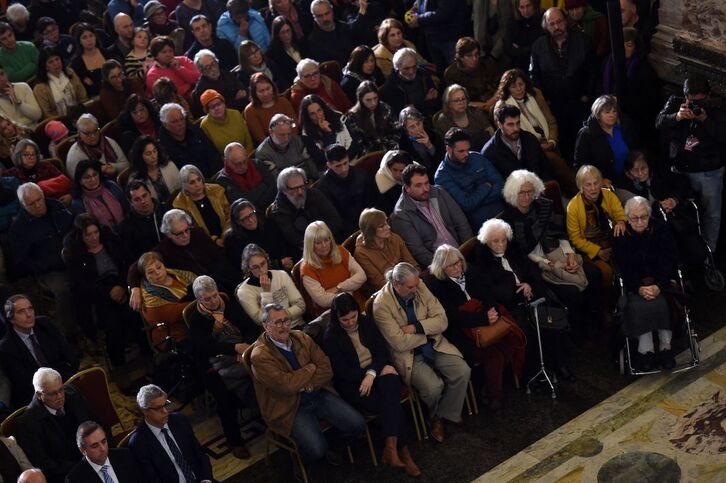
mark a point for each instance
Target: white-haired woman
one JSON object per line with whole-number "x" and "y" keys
{"x": 539, "y": 232}
{"x": 468, "y": 302}
{"x": 205, "y": 202}
{"x": 263, "y": 286}
{"x": 589, "y": 216}
{"x": 646, "y": 256}
{"x": 328, "y": 269}
{"x": 515, "y": 279}
{"x": 310, "y": 80}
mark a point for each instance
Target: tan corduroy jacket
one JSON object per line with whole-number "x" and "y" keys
{"x": 278, "y": 386}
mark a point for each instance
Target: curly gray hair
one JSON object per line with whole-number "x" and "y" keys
{"x": 514, "y": 183}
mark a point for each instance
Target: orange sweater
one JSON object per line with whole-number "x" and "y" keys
{"x": 330, "y": 276}
{"x": 258, "y": 118}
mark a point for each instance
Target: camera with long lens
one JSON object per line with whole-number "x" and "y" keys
{"x": 695, "y": 108}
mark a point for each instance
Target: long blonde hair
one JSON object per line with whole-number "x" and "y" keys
{"x": 317, "y": 231}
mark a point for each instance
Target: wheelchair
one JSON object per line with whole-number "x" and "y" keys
{"x": 625, "y": 359}
{"x": 713, "y": 277}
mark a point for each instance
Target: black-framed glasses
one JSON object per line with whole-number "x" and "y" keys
{"x": 165, "y": 406}
{"x": 185, "y": 231}
{"x": 248, "y": 217}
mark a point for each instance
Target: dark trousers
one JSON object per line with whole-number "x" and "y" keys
{"x": 385, "y": 402}
{"x": 493, "y": 360}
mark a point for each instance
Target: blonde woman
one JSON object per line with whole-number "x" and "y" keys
{"x": 328, "y": 269}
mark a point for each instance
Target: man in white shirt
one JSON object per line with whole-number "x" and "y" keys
{"x": 111, "y": 466}
{"x": 17, "y": 101}
{"x": 164, "y": 445}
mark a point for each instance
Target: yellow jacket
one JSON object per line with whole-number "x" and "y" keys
{"x": 216, "y": 195}
{"x": 576, "y": 220}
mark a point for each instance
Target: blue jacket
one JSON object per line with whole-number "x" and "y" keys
{"x": 123, "y": 6}
{"x": 228, "y": 30}
{"x": 466, "y": 184}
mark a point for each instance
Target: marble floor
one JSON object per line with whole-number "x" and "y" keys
{"x": 664, "y": 428}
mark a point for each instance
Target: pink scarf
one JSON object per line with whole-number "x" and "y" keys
{"x": 102, "y": 205}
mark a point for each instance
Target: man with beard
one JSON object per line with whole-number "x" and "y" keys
{"x": 283, "y": 149}
{"x": 427, "y": 216}
{"x": 409, "y": 85}
{"x": 333, "y": 39}
{"x": 296, "y": 206}
{"x": 222, "y": 81}
{"x": 512, "y": 148}
{"x": 186, "y": 143}
{"x": 563, "y": 66}
{"x": 123, "y": 25}
{"x": 139, "y": 229}
{"x": 413, "y": 321}
{"x": 204, "y": 38}
{"x": 470, "y": 178}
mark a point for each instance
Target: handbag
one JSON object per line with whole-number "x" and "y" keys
{"x": 551, "y": 317}
{"x": 487, "y": 335}
{"x": 557, "y": 274}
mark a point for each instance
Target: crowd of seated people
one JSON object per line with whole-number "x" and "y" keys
{"x": 307, "y": 161}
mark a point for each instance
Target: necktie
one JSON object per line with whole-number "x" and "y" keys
{"x": 60, "y": 412}
{"x": 39, "y": 355}
{"x": 106, "y": 477}
{"x": 180, "y": 460}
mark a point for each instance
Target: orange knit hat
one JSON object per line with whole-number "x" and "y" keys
{"x": 208, "y": 96}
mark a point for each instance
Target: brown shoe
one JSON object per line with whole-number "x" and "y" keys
{"x": 240, "y": 452}
{"x": 390, "y": 453}
{"x": 437, "y": 429}
{"x": 411, "y": 468}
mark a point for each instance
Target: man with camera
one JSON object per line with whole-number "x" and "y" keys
{"x": 697, "y": 128}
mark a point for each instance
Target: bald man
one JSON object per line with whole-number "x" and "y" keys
{"x": 33, "y": 475}
{"x": 123, "y": 25}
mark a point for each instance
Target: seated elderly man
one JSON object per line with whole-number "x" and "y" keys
{"x": 222, "y": 81}
{"x": 427, "y": 216}
{"x": 246, "y": 178}
{"x": 117, "y": 464}
{"x": 412, "y": 321}
{"x": 470, "y": 178}
{"x": 220, "y": 332}
{"x": 186, "y": 143}
{"x": 283, "y": 149}
{"x": 309, "y": 80}
{"x": 297, "y": 205}
{"x": 47, "y": 430}
{"x": 333, "y": 39}
{"x": 17, "y": 101}
{"x": 410, "y": 85}
{"x": 189, "y": 248}
{"x": 647, "y": 258}
{"x": 35, "y": 241}
{"x": 164, "y": 444}
{"x": 31, "y": 343}
{"x": 204, "y": 38}
{"x": 91, "y": 145}
{"x": 293, "y": 383}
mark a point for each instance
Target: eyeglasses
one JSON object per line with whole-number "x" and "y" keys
{"x": 262, "y": 265}
{"x": 30, "y": 155}
{"x": 248, "y": 217}
{"x": 163, "y": 407}
{"x": 310, "y": 75}
{"x": 56, "y": 393}
{"x": 526, "y": 194}
{"x": 185, "y": 231}
{"x": 90, "y": 133}
{"x": 279, "y": 322}
{"x": 459, "y": 100}
{"x": 296, "y": 188}
{"x": 455, "y": 264}
{"x": 89, "y": 176}
{"x": 638, "y": 219}
{"x": 208, "y": 67}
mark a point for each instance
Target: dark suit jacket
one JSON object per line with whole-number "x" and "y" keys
{"x": 19, "y": 364}
{"x": 155, "y": 464}
{"x": 49, "y": 444}
{"x": 122, "y": 460}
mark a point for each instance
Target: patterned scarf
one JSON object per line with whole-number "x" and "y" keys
{"x": 101, "y": 150}
{"x": 101, "y": 203}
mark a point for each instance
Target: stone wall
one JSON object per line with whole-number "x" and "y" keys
{"x": 691, "y": 39}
